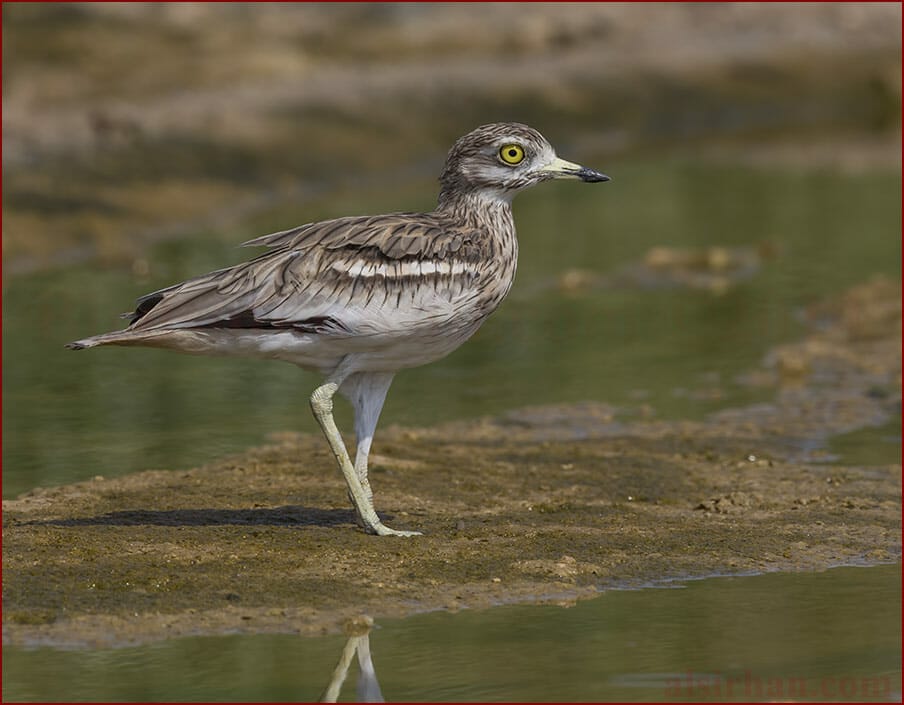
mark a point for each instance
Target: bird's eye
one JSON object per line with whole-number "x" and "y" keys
{"x": 512, "y": 153}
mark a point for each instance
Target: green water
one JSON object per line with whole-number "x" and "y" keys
{"x": 69, "y": 416}
{"x": 836, "y": 634}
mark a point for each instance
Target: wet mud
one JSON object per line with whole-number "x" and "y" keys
{"x": 540, "y": 504}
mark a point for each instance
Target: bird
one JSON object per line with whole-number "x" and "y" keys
{"x": 359, "y": 298}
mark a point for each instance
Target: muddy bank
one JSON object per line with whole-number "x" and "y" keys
{"x": 550, "y": 503}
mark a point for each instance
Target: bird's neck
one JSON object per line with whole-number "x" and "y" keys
{"x": 477, "y": 207}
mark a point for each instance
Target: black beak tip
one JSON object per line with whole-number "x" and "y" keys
{"x": 592, "y": 177}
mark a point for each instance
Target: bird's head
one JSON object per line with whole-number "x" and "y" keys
{"x": 503, "y": 158}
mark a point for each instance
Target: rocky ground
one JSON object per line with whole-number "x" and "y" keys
{"x": 551, "y": 503}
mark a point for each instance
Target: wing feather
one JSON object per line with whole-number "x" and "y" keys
{"x": 304, "y": 277}
{"x": 397, "y": 235}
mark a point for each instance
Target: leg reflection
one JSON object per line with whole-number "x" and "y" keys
{"x": 368, "y": 690}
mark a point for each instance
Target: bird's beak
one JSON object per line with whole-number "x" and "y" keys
{"x": 561, "y": 169}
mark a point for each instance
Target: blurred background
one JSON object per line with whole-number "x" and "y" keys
{"x": 129, "y": 123}
{"x": 755, "y": 151}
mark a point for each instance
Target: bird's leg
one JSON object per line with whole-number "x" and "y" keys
{"x": 322, "y": 406}
{"x": 366, "y": 392}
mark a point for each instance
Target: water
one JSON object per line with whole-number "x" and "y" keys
{"x": 836, "y": 634}
{"x": 70, "y": 416}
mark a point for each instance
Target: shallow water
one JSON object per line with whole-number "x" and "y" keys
{"x": 834, "y": 635}
{"x": 608, "y": 336}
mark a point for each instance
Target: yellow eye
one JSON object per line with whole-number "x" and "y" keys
{"x": 511, "y": 153}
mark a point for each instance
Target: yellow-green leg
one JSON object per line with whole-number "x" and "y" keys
{"x": 322, "y": 406}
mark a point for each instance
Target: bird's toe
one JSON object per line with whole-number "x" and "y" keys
{"x": 383, "y": 530}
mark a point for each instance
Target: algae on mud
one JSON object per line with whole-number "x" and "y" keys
{"x": 551, "y": 503}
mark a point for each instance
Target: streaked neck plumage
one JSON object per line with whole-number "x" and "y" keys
{"x": 489, "y": 212}
{"x": 478, "y": 208}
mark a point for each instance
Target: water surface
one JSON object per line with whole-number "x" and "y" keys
{"x": 834, "y": 636}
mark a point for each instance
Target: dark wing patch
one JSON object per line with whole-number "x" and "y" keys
{"x": 143, "y": 305}
{"x": 247, "y": 320}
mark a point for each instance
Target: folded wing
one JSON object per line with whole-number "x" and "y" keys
{"x": 321, "y": 277}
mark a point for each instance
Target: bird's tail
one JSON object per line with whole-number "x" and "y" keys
{"x": 93, "y": 341}
{"x": 120, "y": 337}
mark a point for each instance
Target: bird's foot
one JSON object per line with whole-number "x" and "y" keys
{"x": 383, "y": 530}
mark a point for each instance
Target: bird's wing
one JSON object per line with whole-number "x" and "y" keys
{"x": 318, "y": 277}
{"x": 395, "y": 235}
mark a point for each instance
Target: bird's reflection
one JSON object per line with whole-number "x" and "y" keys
{"x": 368, "y": 690}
